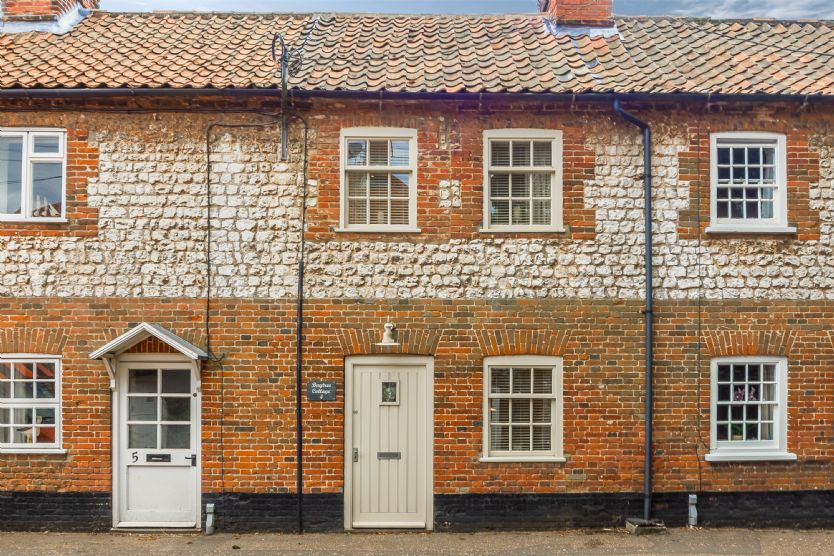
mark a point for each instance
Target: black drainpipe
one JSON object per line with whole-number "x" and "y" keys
{"x": 649, "y": 311}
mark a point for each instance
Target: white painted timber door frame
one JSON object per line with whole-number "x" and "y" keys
{"x": 426, "y": 362}
{"x": 120, "y": 383}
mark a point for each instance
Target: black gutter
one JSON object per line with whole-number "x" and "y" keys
{"x": 385, "y": 95}
{"x": 649, "y": 310}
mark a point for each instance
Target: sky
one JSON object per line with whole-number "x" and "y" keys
{"x": 781, "y": 9}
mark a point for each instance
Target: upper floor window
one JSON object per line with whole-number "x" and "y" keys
{"x": 749, "y": 184}
{"x": 523, "y": 177}
{"x": 749, "y": 409}
{"x": 32, "y": 174}
{"x": 379, "y": 174}
{"x": 30, "y": 409}
{"x": 523, "y": 408}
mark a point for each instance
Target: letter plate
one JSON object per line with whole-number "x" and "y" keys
{"x": 389, "y": 455}
{"x": 158, "y": 458}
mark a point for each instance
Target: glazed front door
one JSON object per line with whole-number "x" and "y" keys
{"x": 158, "y": 422}
{"x": 391, "y": 445}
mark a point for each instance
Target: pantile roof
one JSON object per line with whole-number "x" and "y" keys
{"x": 426, "y": 53}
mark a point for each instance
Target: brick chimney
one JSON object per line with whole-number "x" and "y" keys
{"x": 42, "y": 10}
{"x": 592, "y": 13}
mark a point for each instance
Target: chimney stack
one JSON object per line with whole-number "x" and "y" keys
{"x": 591, "y": 13}
{"x": 42, "y": 10}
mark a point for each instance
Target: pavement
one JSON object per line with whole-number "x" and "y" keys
{"x": 596, "y": 543}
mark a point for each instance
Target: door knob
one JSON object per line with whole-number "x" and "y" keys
{"x": 193, "y": 459}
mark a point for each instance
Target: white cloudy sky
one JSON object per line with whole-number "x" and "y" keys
{"x": 784, "y": 9}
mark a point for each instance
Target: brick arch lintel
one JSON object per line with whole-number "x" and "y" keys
{"x": 729, "y": 343}
{"x": 35, "y": 340}
{"x": 522, "y": 341}
{"x": 419, "y": 341}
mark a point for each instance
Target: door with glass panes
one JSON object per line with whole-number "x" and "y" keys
{"x": 158, "y": 459}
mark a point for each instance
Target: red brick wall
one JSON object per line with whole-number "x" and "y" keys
{"x": 592, "y": 12}
{"x": 601, "y": 343}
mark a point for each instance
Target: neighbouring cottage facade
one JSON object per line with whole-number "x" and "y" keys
{"x": 466, "y": 180}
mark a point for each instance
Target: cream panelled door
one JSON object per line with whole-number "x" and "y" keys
{"x": 389, "y": 443}
{"x": 158, "y": 436}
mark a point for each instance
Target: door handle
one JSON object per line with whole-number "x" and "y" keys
{"x": 193, "y": 459}
{"x": 355, "y": 455}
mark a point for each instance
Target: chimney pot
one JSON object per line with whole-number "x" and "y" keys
{"x": 593, "y": 13}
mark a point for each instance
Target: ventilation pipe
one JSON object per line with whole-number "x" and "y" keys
{"x": 649, "y": 310}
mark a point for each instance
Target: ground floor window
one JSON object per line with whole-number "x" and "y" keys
{"x": 30, "y": 409}
{"x": 749, "y": 409}
{"x": 523, "y": 408}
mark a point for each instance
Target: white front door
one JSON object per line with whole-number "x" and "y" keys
{"x": 389, "y": 443}
{"x": 157, "y": 437}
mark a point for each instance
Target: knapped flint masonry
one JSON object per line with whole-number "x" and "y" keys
{"x": 476, "y": 180}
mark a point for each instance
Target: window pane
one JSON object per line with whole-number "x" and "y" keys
{"x": 500, "y": 213}
{"x": 541, "y": 185}
{"x": 500, "y": 153}
{"x": 142, "y": 436}
{"x": 520, "y": 410}
{"x": 142, "y": 381}
{"x": 5, "y": 416}
{"x": 357, "y": 153}
{"x": 766, "y": 431}
{"x": 521, "y": 212}
{"x": 24, "y": 390}
{"x": 142, "y": 409}
{"x": 176, "y": 437}
{"x": 45, "y": 371}
{"x": 399, "y": 185}
{"x": 520, "y": 185}
{"x": 499, "y": 438}
{"x": 542, "y": 153}
{"x": 45, "y": 416}
{"x": 723, "y": 155}
{"x": 46, "y": 144}
{"x": 176, "y": 381}
{"x": 722, "y": 431}
{"x": 358, "y": 211}
{"x": 541, "y": 411}
{"x": 5, "y": 371}
{"x": 176, "y": 409}
{"x": 379, "y": 211}
{"x": 24, "y": 371}
{"x": 22, "y": 416}
{"x": 521, "y": 438}
{"x": 499, "y": 411}
{"x": 769, "y": 373}
{"x": 399, "y": 153}
{"x": 357, "y": 184}
{"x": 5, "y": 389}
{"x": 5, "y": 435}
{"x": 379, "y": 185}
{"x": 521, "y": 153}
{"x": 45, "y": 435}
{"x": 769, "y": 155}
{"x": 378, "y": 151}
{"x": 11, "y": 172}
{"x": 500, "y": 185}
{"x": 541, "y": 213}
{"x": 47, "y": 189}
{"x": 723, "y": 373}
{"x": 500, "y": 381}
{"x": 541, "y": 438}
{"x": 399, "y": 212}
{"x": 542, "y": 381}
{"x": 521, "y": 381}
{"x": 45, "y": 390}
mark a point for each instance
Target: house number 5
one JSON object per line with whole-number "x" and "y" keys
{"x": 135, "y": 456}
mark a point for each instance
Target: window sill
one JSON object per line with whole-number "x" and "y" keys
{"x": 391, "y": 230}
{"x": 521, "y": 230}
{"x": 751, "y": 456}
{"x": 24, "y": 451}
{"x": 519, "y": 459}
{"x": 34, "y": 220}
{"x": 723, "y": 229}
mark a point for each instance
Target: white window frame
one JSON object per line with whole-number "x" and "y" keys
{"x": 760, "y": 450}
{"x": 779, "y": 223}
{"x": 57, "y": 405}
{"x": 29, "y": 156}
{"x": 390, "y": 133}
{"x": 556, "y": 202}
{"x": 556, "y": 454}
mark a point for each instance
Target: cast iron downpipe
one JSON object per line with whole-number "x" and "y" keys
{"x": 649, "y": 311}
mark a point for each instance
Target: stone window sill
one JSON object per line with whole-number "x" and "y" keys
{"x": 750, "y": 456}
{"x": 764, "y": 230}
{"x": 520, "y": 459}
{"x": 386, "y": 230}
{"x": 24, "y": 451}
{"x": 518, "y": 230}
{"x": 33, "y": 220}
